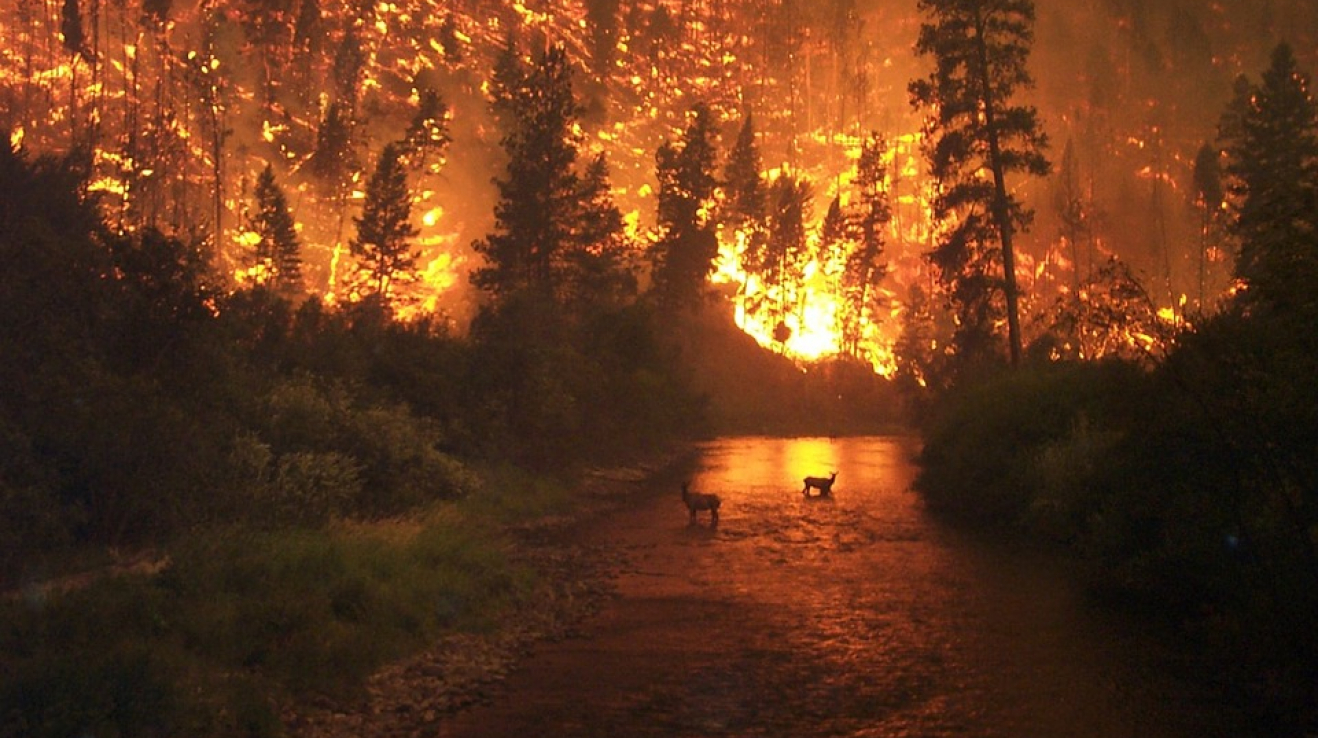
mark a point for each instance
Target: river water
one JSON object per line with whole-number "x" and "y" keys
{"x": 854, "y": 614}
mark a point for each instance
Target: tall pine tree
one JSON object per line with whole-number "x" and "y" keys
{"x": 683, "y": 256}
{"x": 383, "y": 246}
{"x": 976, "y": 136}
{"x": 1272, "y": 149}
{"x": 278, "y": 250}
{"x": 865, "y": 267}
{"x": 540, "y": 189}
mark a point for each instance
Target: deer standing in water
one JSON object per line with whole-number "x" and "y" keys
{"x": 696, "y": 501}
{"x": 824, "y": 485}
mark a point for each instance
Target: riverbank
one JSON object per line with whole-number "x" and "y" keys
{"x": 357, "y": 627}
{"x": 574, "y": 581}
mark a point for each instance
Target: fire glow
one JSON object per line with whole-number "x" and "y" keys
{"x": 182, "y": 113}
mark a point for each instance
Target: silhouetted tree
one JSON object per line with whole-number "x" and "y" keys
{"x": 744, "y": 201}
{"x": 865, "y": 268}
{"x": 785, "y": 248}
{"x": 383, "y": 245}
{"x": 1273, "y": 183}
{"x": 976, "y": 137}
{"x": 540, "y": 190}
{"x": 683, "y": 256}
{"x": 427, "y": 135}
{"x": 278, "y": 250}
{"x": 599, "y": 272}
{"x": 332, "y": 159}
{"x": 349, "y": 64}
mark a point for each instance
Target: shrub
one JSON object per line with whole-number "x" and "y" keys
{"x": 983, "y": 445}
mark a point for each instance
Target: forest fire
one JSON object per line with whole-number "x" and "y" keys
{"x": 182, "y": 106}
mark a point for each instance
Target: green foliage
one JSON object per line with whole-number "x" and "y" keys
{"x": 240, "y": 622}
{"x": 983, "y": 443}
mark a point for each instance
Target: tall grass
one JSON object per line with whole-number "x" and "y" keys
{"x": 239, "y": 621}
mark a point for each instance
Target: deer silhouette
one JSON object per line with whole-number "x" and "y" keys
{"x": 823, "y": 484}
{"x": 696, "y": 501}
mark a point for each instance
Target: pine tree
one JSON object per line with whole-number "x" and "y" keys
{"x": 599, "y": 274}
{"x": 976, "y": 137}
{"x": 332, "y": 159}
{"x": 539, "y": 192}
{"x": 683, "y": 256}
{"x": 427, "y": 135}
{"x": 835, "y": 245}
{"x": 383, "y": 245}
{"x": 865, "y": 268}
{"x": 785, "y": 249}
{"x": 1273, "y": 184}
{"x": 743, "y": 184}
{"x": 278, "y": 249}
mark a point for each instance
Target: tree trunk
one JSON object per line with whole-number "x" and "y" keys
{"x": 1001, "y": 212}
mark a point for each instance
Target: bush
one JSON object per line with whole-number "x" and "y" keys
{"x": 241, "y": 621}
{"x": 984, "y": 443}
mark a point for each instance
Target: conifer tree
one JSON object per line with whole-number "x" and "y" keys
{"x": 785, "y": 253}
{"x": 383, "y": 245}
{"x": 743, "y": 211}
{"x": 600, "y": 274}
{"x": 427, "y": 135}
{"x": 683, "y": 256}
{"x": 539, "y": 192}
{"x": 1273, "y": 184}
{"x": 976, "y": 137}
{"x": 278, "y": 249}
{"x": 865, "y": 268}
{"x": 332, "y": 159}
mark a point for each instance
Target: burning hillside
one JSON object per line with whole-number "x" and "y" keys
{"x": 176, "y": 108}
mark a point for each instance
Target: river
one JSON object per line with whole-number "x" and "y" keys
{"x": 855, "y": 614}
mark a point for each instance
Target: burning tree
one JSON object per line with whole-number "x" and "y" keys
{"x": 975, "y": 138}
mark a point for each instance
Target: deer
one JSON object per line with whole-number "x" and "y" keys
{"x": 824, "y": 485}
{"x": 696, "y": 501}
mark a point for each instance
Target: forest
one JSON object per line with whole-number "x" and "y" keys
{"x": 274, "y": 265}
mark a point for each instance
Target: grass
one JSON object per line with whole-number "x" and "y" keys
{"x": 241, "y": 619}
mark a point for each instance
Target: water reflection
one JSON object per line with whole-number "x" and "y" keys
{"x": 852, "y": 615}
